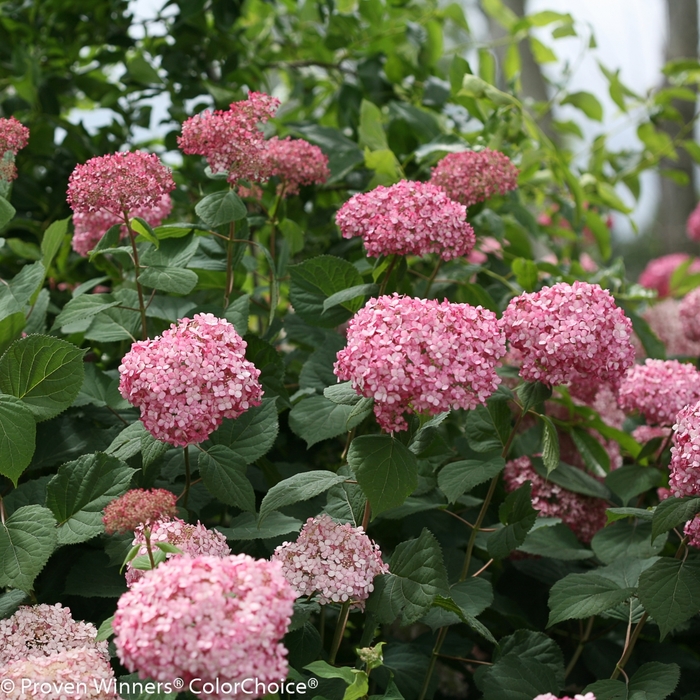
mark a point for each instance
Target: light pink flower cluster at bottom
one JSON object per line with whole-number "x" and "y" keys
{"x": 578, "y": 696}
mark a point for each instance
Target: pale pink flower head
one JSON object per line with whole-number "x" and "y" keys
{"x": 665, "y": 320}
{"x": 336, "y": 562}
{"x": 408, "y": 218}
{"x": 692, "y": 531}
{"x": 421, "y": 356}
{"x": 693, "y": 225}
{"x": 578, "y": 696}
{"x": 689, "y": 312}
{"x": 585, "y": 515}
{"x": 13, "y": 137}
{"x": 685, "y": 453}
{"x": 207, "y": 618}
{"x": 191, "y": 540}
{"x": 138, "y": 507}
{"x": 43, "y": 630}
{"x": 120, "y": 183}
{"x": 570, "y": 333}
{"x": 469, "y": 177}
{"x": 189, "y": 379}
{"x": 231, "y": 140}
{"x": 645, "y": 433}
{"x": 83, "y": 673}
{"x": 658, "y": 272}
{"x": 295, "y": 162}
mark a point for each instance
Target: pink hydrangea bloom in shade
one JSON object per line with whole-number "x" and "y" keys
{"x": 13, "y": 137}
{"x": 119, "y": 183}
{"x": 665, "y": 320}
{"x": 189, "y": 379}
{"x": 658, "y": 389}
{"x": 474, "y": 176}
{"x": 231, "y": 140}
{"x": 192, "y": 540}
{"x": 689, "y": 312}
{"x": 663, "y": 493}
{"x": 138, "y": 507}
{"x": 44, "y": 630}
{"x": 685, "y": 453}
{"x": 207, "y": 618}
{"x": 693, "y": 225}
{"x": 408, "y": 218}
{"x": 549, "y": 696}
{"x": 658, "y": 272}
{"x": 338, "y": 562}
{"x": 295, "y": 162}
{"x": 692, "y": 531}
{"x": 82, "y": 674}
{"x": 570, "y": 334}
{"x": 585, "y": 515}
{"x": 421, "y": 356}
{"x": 644, "y": 433}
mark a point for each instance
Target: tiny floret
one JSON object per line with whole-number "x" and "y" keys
{"x": 685, "y": 453}
{"x": 138, "y": 507}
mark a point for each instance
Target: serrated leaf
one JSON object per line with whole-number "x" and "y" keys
{"x": 316, "y": 418}
{"x": 673, "y": 512}
{"x": 593, "y": 453}
{"x": 105, "y": 631}
{"x": 513, "y": 678}
{"x": 252, "y": 434}
{"x": 550, "y": 445}
{"x": 555, "y": 541}
{"x": 654, "y": 681}
{"x": 52, "y": 239}
{"x": 245, "y": 527}
{"x": 342, "y": 393}
{"x": 631, "y": 479}
{"x": 114, "y": 325}
{"x": 221, "y": 208}
{"x": 7, "y": 212}
{"x": 128, "y": 442}
{"x": 223, "y": 473}
{"x": 631, "y": 539}
{"x": 572, "y": 479}
{"x": 468, "y": 619}
{"x": 142, "y": 228}
{"x": 461, "y": 477}
{"x": 532, "y": 394}
{"x": 518, "y": 516}
{"x": 17, "y": 437}
{"x": 488, "y": 427}
{"x": 587, "y": 103}
{"x": 10, "y": 601}
{"x": 350, "y": 295}
{"x": 27, "y": 283}
{"x": 317, "y": 372}
{"x": 84, "y": 307}
{"x": 175, "y": 280}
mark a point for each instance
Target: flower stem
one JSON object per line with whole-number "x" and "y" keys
{"x": 188, "y": 479}
{"x": 579, "y": 648}
{"x": 149, "y": 549}
{"x": 366, "y": 515}
{"x": 339, "y": 631}
{"x": 230, "y": 274}
{"x": 431, "y": 279}
{"x": 389, "y": 270}
{"x": 137, "y": 270}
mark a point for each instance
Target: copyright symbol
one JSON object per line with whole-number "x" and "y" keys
{"x": 7, "y": 685}
{"x": 313, "y": 683}
{"x": 178, "y": 683}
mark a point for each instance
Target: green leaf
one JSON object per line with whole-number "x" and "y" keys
{"x": 221, "y": 208}
{"x": 386, "y": 470}
{"x": 608, "y": 690}
{"x": 317, "y": 372}
{"x": 572, "y": 479}
{"x": 342, "y": 393}
{"x": 587, "y": 103}
{"x": 245, "y": 527}
{"x": 140, "y": 70}
{"x": 323, "y": 669}
{"x": 461, "y": 477}
{"x": 518, "y": 516}
{"x": 555, "y": 541}
{"x": 653, "y": 347}
{"x": 673, "y": 512}
{"x": 670, "y": 592}
{"x": 46, "y": 373}
{"x": 541, "y": 53}
{"x": 113, "y": 325}
{"x": 514, "y": 678}
{"x": 100, "y": 389}
{"x": 593, "y": 453}
{"x": 142, "y": 228}
{"x": 630, "y": 480}
{"x": 316, "y": 418}
{"x": 17, "y": 437}
{"x": 300, "y": 487}
{"x": 601, "y": 233}
{"x": 550, "y": 445}
{"x": 175, "y": 280}
{"x": 532, "y": 394}
{"x": 7, "y": 212}
{"x": 27, "y": 282}
{"x": 526, "y": 273}
{"x": 449, "y": 605}
{"x": 27, "y": 540}
{"x": 654, "y": 681}
{"x": 223, "y": 473}
{"x": 371, "y": 130}
{"x": 105, "y": 631}
{"x": 10, "y": 601}
{"x": 348, "y": 295}
{"x": 79, "y": 492}
{"x": 129, "y": 441}
{"x": 82, "y": 308}
{"x": 176, "y": 252}
{"x": 488, "y": 427}
{"x": 625, "y": 539}
{"x": 535, "y": 647}
{"x": 620, "y": 513}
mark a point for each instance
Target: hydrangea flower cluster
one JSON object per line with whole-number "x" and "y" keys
{"x": 658, "y": 272}
{"x": 585, "y": 515}
{"x": 85, "y": 673}
{"x": 138, "y": 507}
{"x": 295, "y": 162}
{"x": 570, "y": 333}
{"x": 474, "y": 176}
{"x": 192, "y": 540}
{"x": 693, "y": 224}
{"x": 665, "y": 320}
{"x": 689, "y": 312}
{"x": 339, "y": 562}
{"x": 45, "y": 630}
{"x": 408, "y": 218}
{"x": 206, "y": 618}
{"x": 658, "y": 389}
{"x": 14, "y": 136}
{"x": 421, "y": 356}
{"x": 685, "y": 453}
{"x": 120, "y": 183}
{"x": 644, "y": 433}
{"x": 231, "y": 140}
{"x": 189, "y": 379}
{"x": 578, "y": 696}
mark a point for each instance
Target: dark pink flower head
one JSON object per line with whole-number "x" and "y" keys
{"x": 685, "y": 453}
{"x": 693, "y": 225}
{"x": 337, "y": 562}
{"x": 474, "y": 176}
{"x": 231, "y": 140}
{"x": 207, "y": 618}
{"x": 585, "y": 515}
{"x": 570, "y": 333}
{"x": 14, "y": 136}
{"x": 689, "y": 312}
{"x": 421, "y": 356}
{"x": 189, "y": 379}
{"x": 295, "y": 162}
{"x": 658, "y": 389}
{"x": 138, "y": 507}
{"x": 658, "y": 272}
{"x": 665, "y": 320}
{"x": 408, "y": 218}
{"x": 119, "y": 183}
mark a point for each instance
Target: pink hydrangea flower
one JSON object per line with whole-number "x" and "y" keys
{"x": 295, "y": 162}
{"x": 192, "y": 540}
{"x": 231, "y": 140}
{"x": 585, "y": 515}
{"x": 408, "y": 218}
{"x": 338, "y": 562}
{"x": 138, "y": 507}
{"x": 658, "y": 272}
{"x": 207, "y": 618}
{"x": 82, "y": 673}
{"x": 644, "y": 433}
{"x": 421, "y": 356}
{"x": 43, "y": 630}
{"x": 689, "y": 312}
{"x": 692, "y": 531}
{"x": 665, "y": 320}
{"x": 693, "y": 225}
{"x": 685, "y": 453}
{"x": 570, "y": 334}
{"x": 189, "y": 379}
{"x": 658, "y": 389}
{"x": 474, "y": 176}
{"x": 13, "y": 137}
{"x": 578, "y": 696}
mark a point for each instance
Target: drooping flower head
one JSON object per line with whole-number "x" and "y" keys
{"x": 408, "y": 218}
{"x": 693, "y": 225}
{"x": 689, "y": 312}
{"x": 658, "y": 389}
{"x": 658, "y": 272}
{"x": 43, "y": 630}
{"x": 231, "y": 140}
{"x": 295, "y": 162}
{"x": 207, "y": 618}
{"x": 421, "y": 356}
{"x": 570, "y": 333}
{"x": 13, "y": 137}
{"x": 338, "y": 562}
{"x": 138, "y": 507}
{"x": 189, "y": 379}
{"x": 665, "y": 320}
{"x": 685, "y": 453}
{"x": 191, "y": 540}
{"x": 474, "y": 176}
